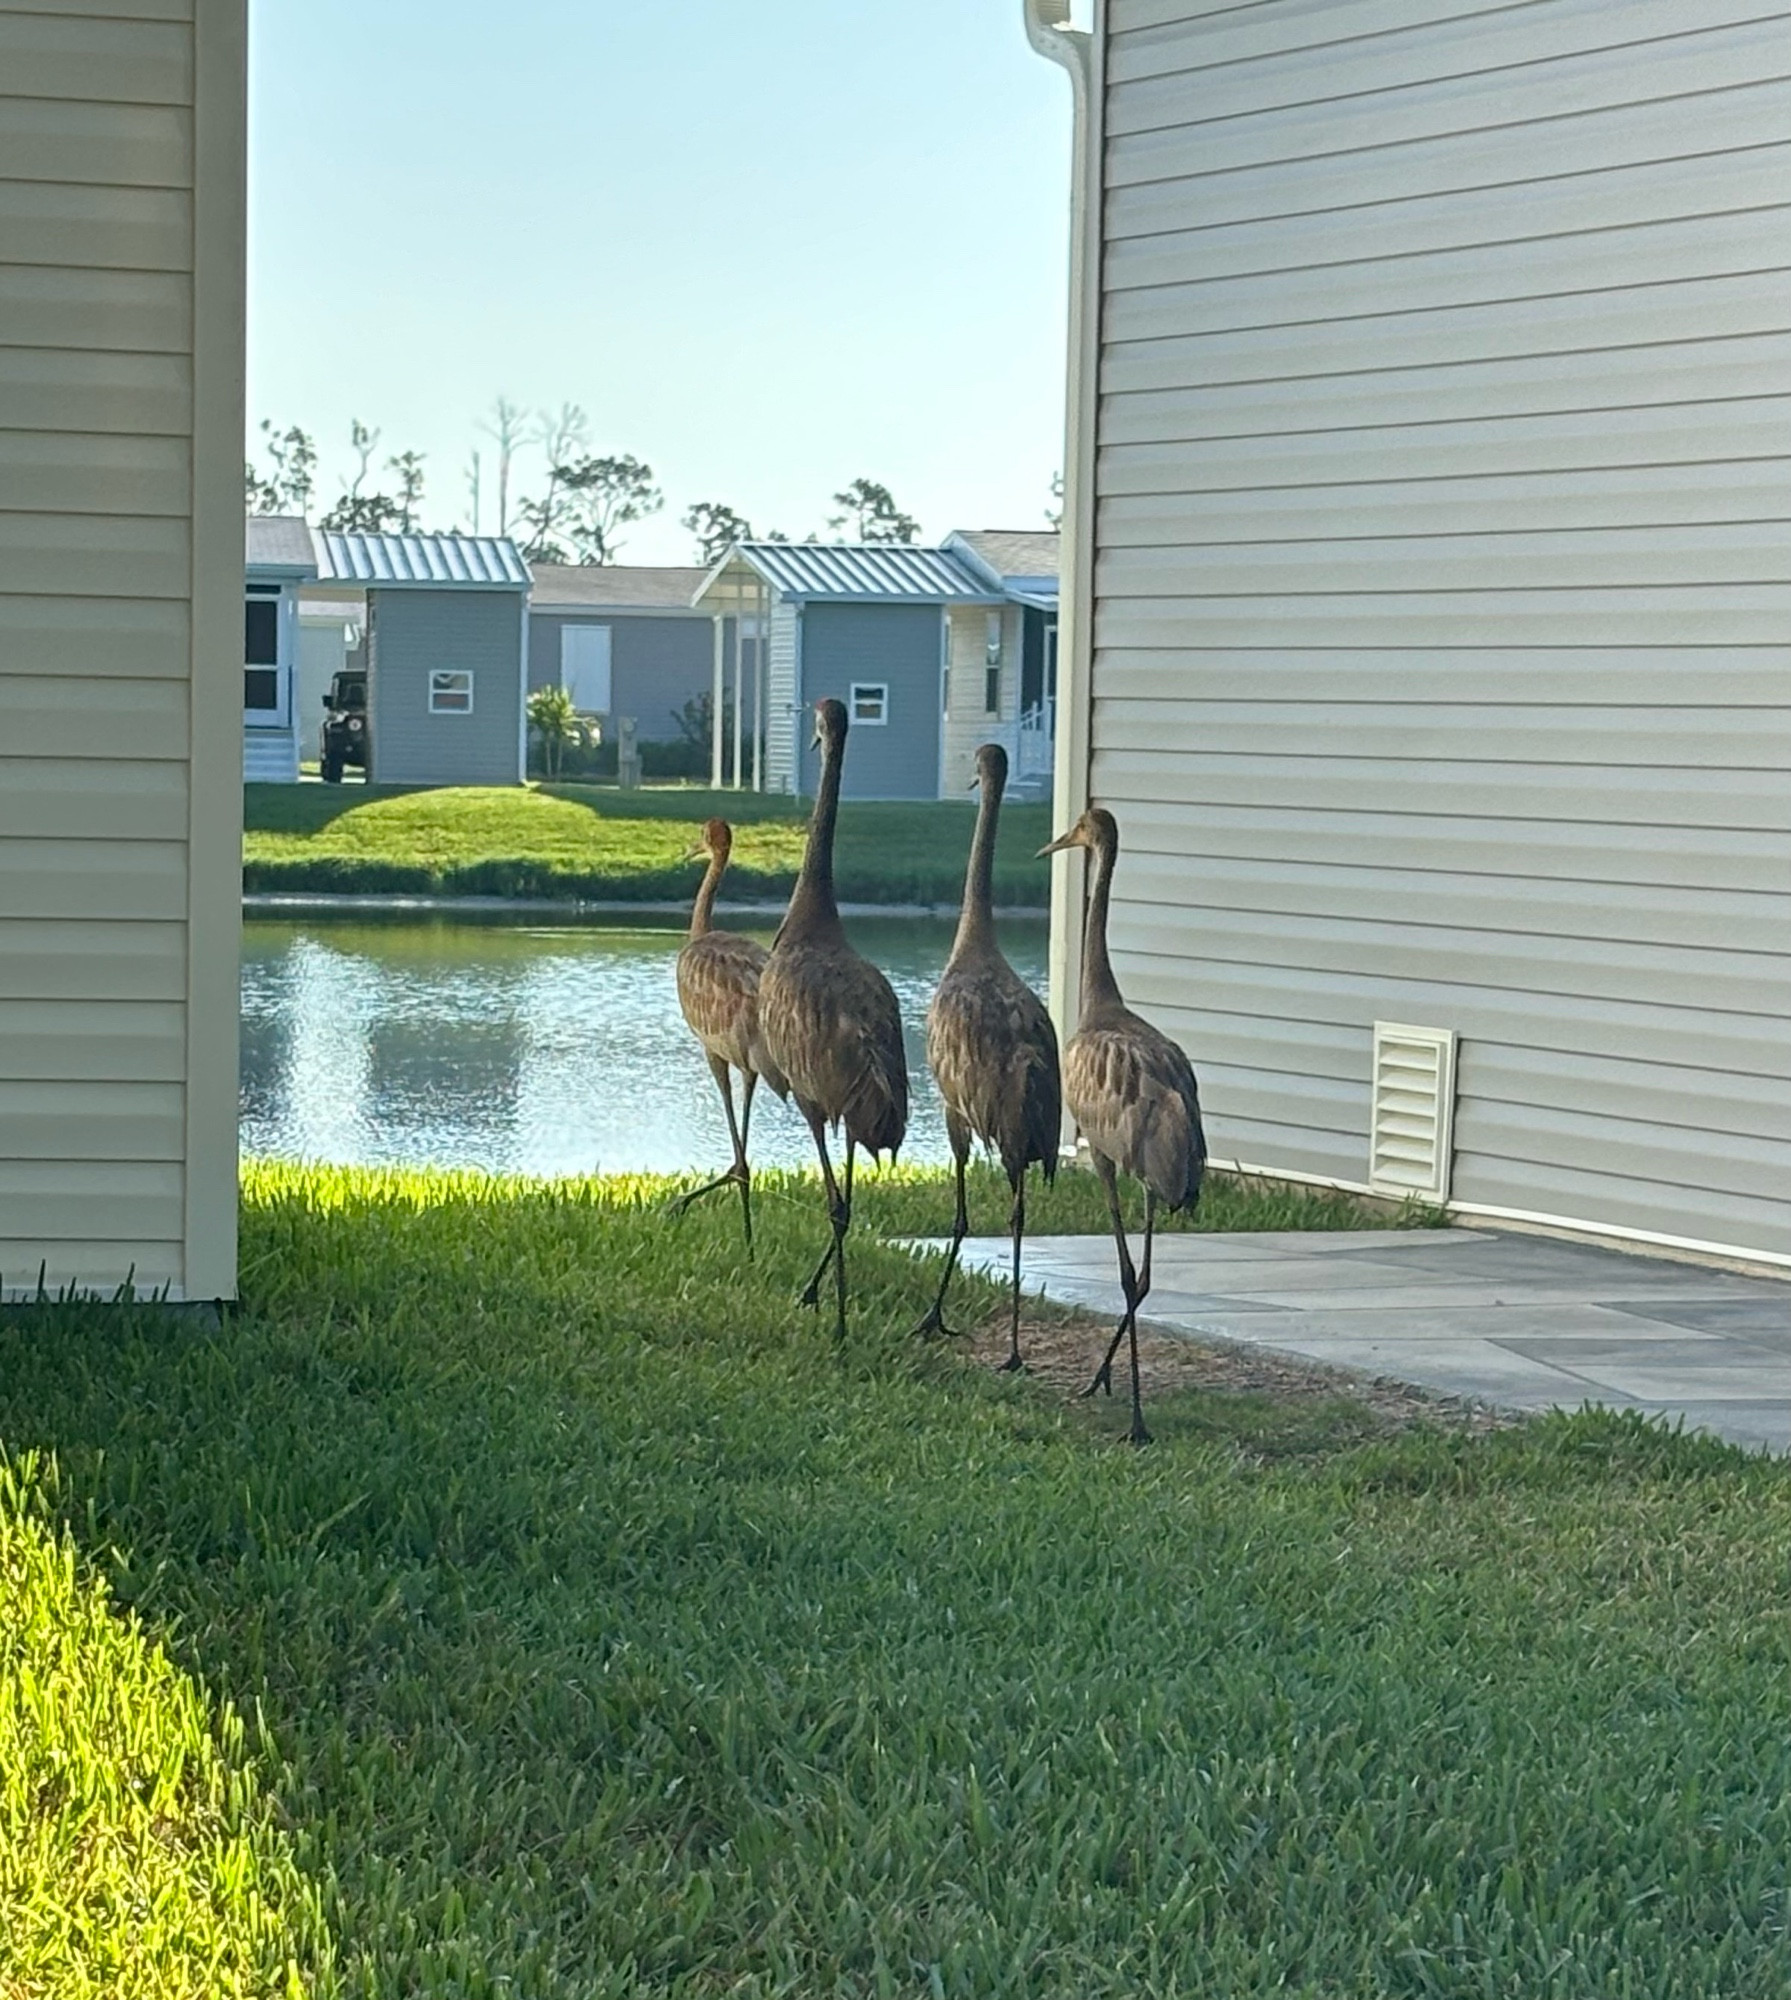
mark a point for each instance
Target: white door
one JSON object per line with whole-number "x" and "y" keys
{"x": 584, "y": 667}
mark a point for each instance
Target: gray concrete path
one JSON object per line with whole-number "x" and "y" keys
{"x": 1525, "y": 1322}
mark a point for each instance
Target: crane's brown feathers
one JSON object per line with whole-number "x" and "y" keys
{"x": 832, "y": 1025}
{"x": 718, "y": 990}
{"x": 830, "y": 1019}
{"x": 992, "y": 1048}
{"x": 1132, "y": 1091}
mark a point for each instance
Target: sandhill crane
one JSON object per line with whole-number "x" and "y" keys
{"x": 993, "y": 1049}
{"x": 829, "y": 1019}
{"x": 718, "y": 990}
{"x": 1133, "y": 1093}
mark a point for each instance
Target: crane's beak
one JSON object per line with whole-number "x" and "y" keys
{"x": 1057, "y": 846}
{"x": 976, "y": 783}
{"x": 699, "y": 852}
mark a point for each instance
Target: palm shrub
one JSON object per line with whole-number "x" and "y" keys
{"x": 553, "y": 719}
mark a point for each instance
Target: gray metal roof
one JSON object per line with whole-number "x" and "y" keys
{"x": 613, "y": 586}
{"x": 865, "y": 572}
{"x": 420, "y": 562}
{"x": 278, "y": 545}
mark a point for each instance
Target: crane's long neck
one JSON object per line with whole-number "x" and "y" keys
{"x": 976, "y": 922}
{"x": 1099, "y": 987}
{"x": 702, "y": 915}
{"x": 813, "y": 900}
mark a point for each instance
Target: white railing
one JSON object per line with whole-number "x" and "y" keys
{"x": 1034, "y": 754}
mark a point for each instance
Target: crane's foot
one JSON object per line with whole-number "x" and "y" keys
{"x": 933, "y": 1327}
{"x": 686, "y": 1201}
{"x": 1013, "y": 1365}
{"x": 1102, "y": 1385}
{"x": 1138, "y": 1434}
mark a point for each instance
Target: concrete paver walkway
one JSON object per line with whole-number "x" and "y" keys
{"x": 1526, "y": 1322}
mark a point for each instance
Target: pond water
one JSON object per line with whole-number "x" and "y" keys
{"x": 516, "y": 1047}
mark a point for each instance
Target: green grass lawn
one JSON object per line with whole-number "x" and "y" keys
{"x": 606, "y": 1632}
{"x": 580, "y": 840}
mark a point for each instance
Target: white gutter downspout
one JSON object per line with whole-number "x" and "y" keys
{"x": 1080, "y": 52}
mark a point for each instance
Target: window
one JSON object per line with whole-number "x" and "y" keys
{"x": 992, "y": 665}
{"x": 991, "y": 690}
{"x": 585, "y": 667}
{"x": 451, "y": 691}
{"x": 870, "y": 701}
{"x": 261, "y": 651}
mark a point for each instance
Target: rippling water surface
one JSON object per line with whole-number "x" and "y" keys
{"x": 518, "y": 1048}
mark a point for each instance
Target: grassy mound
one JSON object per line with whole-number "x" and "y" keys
{"x": 574, "y": 841}
{"x": 617, "y": 1635}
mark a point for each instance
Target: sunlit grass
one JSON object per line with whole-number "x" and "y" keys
{"x": 571, "y": 841}
{"x": 618, "y": 1635}
{"x": 137, "y": 1855}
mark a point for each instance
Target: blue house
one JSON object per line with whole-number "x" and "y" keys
{"x": 443, "y": 625}
{"x": 927, "y": 647}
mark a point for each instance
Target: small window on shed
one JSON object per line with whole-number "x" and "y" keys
{"x": 870, "y": 701}
{"x": 451, "y": 691}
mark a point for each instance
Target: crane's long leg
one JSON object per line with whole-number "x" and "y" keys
{"x": 837, "y": 1209}
{"x": 934, "y": 1321}
{"x": 810, "y": 1295}
{"x": 749, "y": 1083}
{"x": 1128, "y": 1277}
{"x": 736, "y": 1174}
{"x": 842, "y": 1221}
{"x": 1138, "y": 1434}
{"x": 1013, "y": 1364}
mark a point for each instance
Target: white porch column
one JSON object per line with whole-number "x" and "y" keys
{"x": 716, "y": 697}
{"x": 739, "y": 685}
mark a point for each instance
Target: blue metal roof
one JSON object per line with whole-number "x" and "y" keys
{"x": 865, "y": 572}
{"x": 420, "y": 562}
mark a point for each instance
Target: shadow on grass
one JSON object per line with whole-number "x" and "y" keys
{"x": 304, "y": 809}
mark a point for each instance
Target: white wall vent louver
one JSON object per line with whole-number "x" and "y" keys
{"x": 1412, "y": 1132}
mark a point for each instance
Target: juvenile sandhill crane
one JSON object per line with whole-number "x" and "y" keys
{"x": 718, "y": 990}
{"x": 829, "y": 1019}
{"x": 994, "y": 1051}
{"x": 1133, "y": 1093}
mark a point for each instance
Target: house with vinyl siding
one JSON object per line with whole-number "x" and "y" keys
{"x": 1001, "y": 665}
{"x": 436, "y": 621}
{"x": 121, "y": 615}
{"x": 1427, "y": 618}
{"x": 623, "y": 639}
{"x": 446, "y": 644}
{"x": 927, "y": 649}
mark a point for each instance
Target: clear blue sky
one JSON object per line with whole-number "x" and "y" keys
{"x": 769, "y": 248}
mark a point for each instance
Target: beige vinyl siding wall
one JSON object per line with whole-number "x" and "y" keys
{"x": 968, "y": 723}
{"x": 120, "y": 297}
{"x": 1442, "y": 629}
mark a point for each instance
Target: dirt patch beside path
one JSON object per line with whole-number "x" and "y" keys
{"x": 1177, "y": 1372}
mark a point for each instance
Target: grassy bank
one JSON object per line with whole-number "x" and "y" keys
{"x": 616, "y": 1636}
{"x": 580, "y": 841}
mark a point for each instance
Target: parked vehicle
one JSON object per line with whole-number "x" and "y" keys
{"x": 344, "y": 739}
